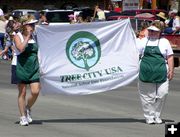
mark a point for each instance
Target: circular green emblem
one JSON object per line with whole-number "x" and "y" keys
{"x": 83, "y": 49}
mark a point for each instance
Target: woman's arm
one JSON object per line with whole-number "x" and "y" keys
{"x": 4, "y": 51}
{"x": 1, "y": 52}
{"x": 95, "y": 11}
{"x": 21, "y": 45}
{"x": 170, "y": 62}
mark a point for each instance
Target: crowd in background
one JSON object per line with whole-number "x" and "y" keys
{"x": 170, "y": 23}
{"x": 6, "y": 51}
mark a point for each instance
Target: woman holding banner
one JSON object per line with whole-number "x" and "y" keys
{"x": 27, "y": 69}
{"x": 156, "y": 70}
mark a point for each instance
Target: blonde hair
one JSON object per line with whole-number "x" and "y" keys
{"x": 158, "y": 24}
{"x": 27, "y": 18}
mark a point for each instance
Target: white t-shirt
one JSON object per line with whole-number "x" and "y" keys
{"x": 16, "y": 51}
{"x": 176, "y": 23}
{"x": 101, "y": 15}
{"x": 2, "y": 26}
{"x": 164, "y": 46}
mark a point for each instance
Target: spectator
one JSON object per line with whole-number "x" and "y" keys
{"x": 175, "y": 23}
{"x": 71, "y": 18}
{"x": 169, "y": 20}
{"x": 42, "y": 19}
{"x": 99, "y": 13}
{"x": 88, "y": 19}
{"x": 161, "y": 16}
{"x": 110, "y": 7}
{"x": 79, "y": 19}
{"x": 117, "y": 8}
{"x": 7, "y": 39}
{"x": 143, "y": 30}
{"x": 12, "y": 28}
{"x": 2, "y": 29}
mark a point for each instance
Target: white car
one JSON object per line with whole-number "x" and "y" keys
{"x": 21, "y": 12}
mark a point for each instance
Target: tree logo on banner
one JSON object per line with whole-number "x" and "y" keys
{"x": 83, "y": 50}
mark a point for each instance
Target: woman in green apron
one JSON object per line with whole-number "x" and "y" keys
{"x": 156, "y": 69}
{"x": 27, "y": 69}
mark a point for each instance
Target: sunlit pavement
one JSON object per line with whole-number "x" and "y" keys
{"x": 115, "y": 113}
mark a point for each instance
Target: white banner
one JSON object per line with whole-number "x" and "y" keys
{"x": 87, "y": 58}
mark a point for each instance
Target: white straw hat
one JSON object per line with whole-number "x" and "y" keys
{"x": 28, "y": 19}
{"x": 1, "y": 12}
{"x": 32, "y": 21}
{"x": 161, "y": 15}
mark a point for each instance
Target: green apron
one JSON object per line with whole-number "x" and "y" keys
{"x": 27, "y": 69}
{"x": 153, "y": 66}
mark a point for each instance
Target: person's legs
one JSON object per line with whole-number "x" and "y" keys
{"x": 147, "y": 92}
{"x": 14, "y": 79}
{"x": 22, "y": 98}
{"x": 1, "y": 46}
{"x": 162, "y": 91}
{"x": 168, "y": 30}
{"x": 22, "y": 104}
{"x": 1, "y": 41}
{"x": 35, "y": 88}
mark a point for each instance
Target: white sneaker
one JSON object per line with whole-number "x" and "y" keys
{"x": 28, "y": 115}
{"x": 150, "y": 121}
{"x": 23, "y": 121}
{"x": 158, "y": 120}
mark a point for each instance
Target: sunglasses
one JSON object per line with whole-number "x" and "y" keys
{"x": 152, "y": 31}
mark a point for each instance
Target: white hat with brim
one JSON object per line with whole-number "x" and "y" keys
{"x": 32, "y": 21}
{"x": 1, "y": 12}
{"x": 173, "y": 11}
{"x": 153, "y": 28}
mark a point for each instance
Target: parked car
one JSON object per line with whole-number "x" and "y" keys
{"x": 135, "y": 13}
{"x": 56, "y": 17}
{"x": 140, "y": 11}
{"x": 21, "y": 12}
{"x": 59, "y": 17}
{"x": 135, "y": 21}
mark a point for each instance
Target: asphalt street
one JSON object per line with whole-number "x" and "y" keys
{"x": 116, "y": 113}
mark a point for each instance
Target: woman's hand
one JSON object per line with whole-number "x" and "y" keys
{"x": 170, "y": 74}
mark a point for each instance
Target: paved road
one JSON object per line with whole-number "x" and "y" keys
{"x": 110, "y": 114}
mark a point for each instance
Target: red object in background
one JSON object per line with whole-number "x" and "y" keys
{"x": 117, "y": 9}
{"x": 174, "y": 39}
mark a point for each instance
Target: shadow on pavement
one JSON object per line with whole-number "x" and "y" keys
{"x": 92, "y": 120}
